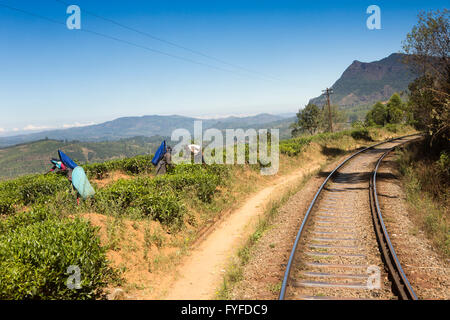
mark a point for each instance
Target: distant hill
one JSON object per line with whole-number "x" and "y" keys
{"x": 282, "y": 125}
{"x": 146, "y": 126}
{"x": 34, "y": 157}
{"x": 363, "y": 84}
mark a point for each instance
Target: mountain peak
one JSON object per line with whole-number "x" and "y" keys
{"x": 364, "y": 83}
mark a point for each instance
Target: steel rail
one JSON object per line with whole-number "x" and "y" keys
{"x": 400, "y": 281}
{"x": 313, "y": 202}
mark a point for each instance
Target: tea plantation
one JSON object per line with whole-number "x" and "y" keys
{"x": 41, "y": 235}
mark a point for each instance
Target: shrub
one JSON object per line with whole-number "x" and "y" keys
{"x": 138, "y": 164}
{"x": 11, "y": 189}
{"x": 6, "y": 205}
{"x": 361, "y": 134}
{"x": 204, "y": 184}
{"x": 135, "y": 165}
{"x": 392, "y": 127}
{"x": 32, "y": 189}
{"x": 96, "y": 170}
{"x": 444, "y": 164}
{"x": 142, "y": 195}
{"x": 205, "y": 187}
{"x": 160, "y": 197}
{"x": 288, "y": 149}
{"x": 222, "y": 171}
{"x": 162, "y": 207}
{"x": 42, "y": 187}
{"x": 188, "y": 168}
{"x": 357, "y": 124}
{"x": 426, "y": 177}
{"x": 293, "y": 147}
{"x": 36, "y": 214}
{"x": 114, "y": 164}
{"x": 121, "y": 193}
{"x": 36, "y": 252}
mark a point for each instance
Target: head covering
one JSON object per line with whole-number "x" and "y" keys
{"x": 194, "y": 148}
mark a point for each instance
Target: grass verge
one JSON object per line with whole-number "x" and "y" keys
{"x": 426, "y": 183}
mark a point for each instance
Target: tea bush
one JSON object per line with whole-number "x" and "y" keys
{"x": 135, "y": 165}
{"x": 188, "y": 168}
{"x": 290, "y": 149}
{"x": 42, "y": 187}
{"x": 11, "y": 189}
{"x": 33, "y": 188}
{"x": 141, "y": 195}
{"x": 96, "y": 170}
{"x": 6, "y": 205}
{"x": 293, "y": 147}
{"x": 161, "y": 197}
{"x": 222, "y": 171}
{"x": 36, "y": 249}
{"x": 205, "y": 187}
{"x": 163, "y": 207}
{"x": 36, "y": 214}
{"x": 204, "y": 184}
{"x": 122, "y": 193}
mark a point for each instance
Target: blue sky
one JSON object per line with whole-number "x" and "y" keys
{"x": 54, "y": 77}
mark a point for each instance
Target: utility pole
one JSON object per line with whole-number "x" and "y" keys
{"x": 327, "y": 92}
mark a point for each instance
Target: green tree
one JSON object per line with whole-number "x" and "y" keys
{"x": 428, "y": 46}
{"x": 377, "y": 115}
{"x": 395, "y": 109}
{"x": 308, "y": 119}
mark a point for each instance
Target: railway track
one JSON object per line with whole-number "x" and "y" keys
{"x": 342, "y": 249}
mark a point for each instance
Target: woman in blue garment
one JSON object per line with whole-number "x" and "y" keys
{"x": 165, "y": 162}
{"x": 65, "y": 170}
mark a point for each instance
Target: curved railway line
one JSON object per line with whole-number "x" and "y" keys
{"x": 342, "y": 249}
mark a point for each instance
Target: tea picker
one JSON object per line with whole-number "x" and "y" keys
{"x": 197, "y": 152}
{"x": 162, "y": 158}
{"x": 75, "y": 174}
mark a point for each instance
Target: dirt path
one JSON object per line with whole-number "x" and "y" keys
{"x": 202, "y": 271}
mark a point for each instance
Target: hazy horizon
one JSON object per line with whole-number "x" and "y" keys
{"x": 31, "y": 130}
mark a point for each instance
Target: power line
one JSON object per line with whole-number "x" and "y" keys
{"x": 122, "y": 40}
{"x": 172, "y": 43}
